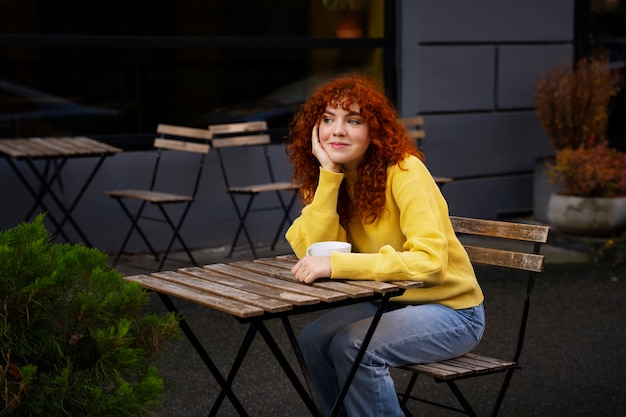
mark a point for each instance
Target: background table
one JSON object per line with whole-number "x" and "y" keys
{"x": 55, "y": 152}
{"x": 256, "y": 291}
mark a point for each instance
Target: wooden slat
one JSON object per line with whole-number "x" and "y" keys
{"x": 247, "y": 140}
{"x": 288, "y": 262}
{"x": 501, "y": 229}
{"x": 222, "y": 304}
{"x": 251, "y": 286}
{"x": 73, "y": 146}
{"x": 226, "y": 128}
{"x": 260, "y": 188}
{"x": 443, "y": 180}
{"x": 54, "y": 147}
{"x": 490, "y": 361}
{"x": 268, "y": 304}
{"x": 472, "y": 364}
{"x": 282, "y": 261}
{"x": 279, "y": 271}
{"x": 505, "y": 258}
{"x": 414, "y": 127}
{"x": 147, "y": 195}
{"x": 184, "y": 131}
{"x": 461, "y": 367}
{"x": 240, "y": 273}
{"x": 88, "y": 146}
{"x": 181, "y": 145}
{"x": 407, "y": 285}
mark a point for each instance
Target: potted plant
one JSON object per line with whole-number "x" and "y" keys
{"x": 573, "y": 107}
{"x": 73, "y": 338}
{"x": 593, "y": 199}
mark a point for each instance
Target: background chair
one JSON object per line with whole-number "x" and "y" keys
{"x": 244, "y": 192}
{"x": 479, "y": 238}
{"x": 172, "y": 139}
{"x": 415, "y": 128}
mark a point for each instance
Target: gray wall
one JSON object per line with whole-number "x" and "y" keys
{"x": 469, "y": 68}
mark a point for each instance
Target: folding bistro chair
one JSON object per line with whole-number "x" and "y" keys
{"x": 177, "y": 139}
{"x": 528, "y": 262}
{"x": 415, "y": 128}
{"x": 243, "y": 193}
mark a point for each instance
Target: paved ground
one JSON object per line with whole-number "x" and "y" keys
{"x": 572, "y": 362}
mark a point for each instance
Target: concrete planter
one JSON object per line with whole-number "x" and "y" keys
{"x": 587, "y": 216}
{"x": 543, "y": 188}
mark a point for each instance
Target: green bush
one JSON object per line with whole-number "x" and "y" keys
{"x": 73, "y": 338}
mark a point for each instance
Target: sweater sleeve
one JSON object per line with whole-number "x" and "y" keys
{"x": 319, "y": 220}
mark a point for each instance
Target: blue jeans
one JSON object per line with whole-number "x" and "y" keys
{"x": 406, "y": 334}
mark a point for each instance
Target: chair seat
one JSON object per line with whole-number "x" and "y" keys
{"x": 464, "y": 366}
{"x": 259, "y": 188}
{"x": 151, "y": 196}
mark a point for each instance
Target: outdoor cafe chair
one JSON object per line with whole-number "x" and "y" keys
{"x": 415, "y": 129}
{"x": 515, "y": 249}
{"x": 173, "y": 200}
{"x": 244, "y": 183}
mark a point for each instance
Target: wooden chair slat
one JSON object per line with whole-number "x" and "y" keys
{"x": 501, "y": 229}
{"x": 248, "y": 140}
{"x": 261, "y": 188}
{"x": 184, "y": 131}
{"x": 227, "y": 128}
{"x": 505, "y": 258}
{"x": 173, "y": 207}
{"x": 525, "y": 259}
{"x": 179, "y": 145}
{"x": 256, "y": 137}
{"x": 151, "y": 196}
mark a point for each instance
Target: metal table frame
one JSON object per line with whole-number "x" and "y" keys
{"x": 55, "y": 152}
{"x": 165, "y": 285}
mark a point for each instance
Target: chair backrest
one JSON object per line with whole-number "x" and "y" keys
{"x": 229, "y": 135}
{"x": 483, "y": 252}
{"x": 181, "y": 139}
{"x": 415, "y": 128}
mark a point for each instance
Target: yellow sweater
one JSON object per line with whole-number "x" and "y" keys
{"x": 412, "y": 238}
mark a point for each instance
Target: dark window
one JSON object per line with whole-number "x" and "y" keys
{"x": 114, "y": 69}
{"x": 602, "y": 32}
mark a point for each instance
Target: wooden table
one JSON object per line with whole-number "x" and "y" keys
{"x": 256, "y": 291}
{"x": 55, "y": 152}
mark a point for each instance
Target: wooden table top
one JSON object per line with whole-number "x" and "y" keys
{"x": 52, "y": 147}
{"x": 247, "y": 289}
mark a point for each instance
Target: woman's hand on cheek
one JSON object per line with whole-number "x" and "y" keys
{"x": 320, "y": 153}
{"x": 311, "y": 268}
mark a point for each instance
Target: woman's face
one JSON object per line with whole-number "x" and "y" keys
{"x": 344, "y": 135}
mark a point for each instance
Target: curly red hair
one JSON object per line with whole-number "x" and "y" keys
{"x": 389, "y": 143}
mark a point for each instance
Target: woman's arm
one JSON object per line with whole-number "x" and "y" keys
{"x": 319, "y": 220}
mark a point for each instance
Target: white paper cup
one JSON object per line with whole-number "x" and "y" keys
{"x": 326, "y": 248}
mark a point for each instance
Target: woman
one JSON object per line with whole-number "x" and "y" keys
{"x": 364, "y": 182}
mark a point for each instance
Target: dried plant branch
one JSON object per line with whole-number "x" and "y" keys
{"x": 573, "y": 103}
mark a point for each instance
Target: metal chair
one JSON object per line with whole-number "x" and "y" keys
{"x": 194, "y": 142}
{"x": 243, "y": 194}
{"x": 523, "y": 254}
{"x": 415, "y": 129}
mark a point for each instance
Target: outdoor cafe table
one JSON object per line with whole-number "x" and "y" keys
{"x": 260, "y": 290}
{"x": 55, "y": 152}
